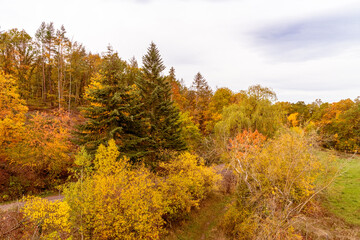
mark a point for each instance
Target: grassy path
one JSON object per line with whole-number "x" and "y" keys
{"x": 202, "y": 223}
{"x": 343, "y": 197}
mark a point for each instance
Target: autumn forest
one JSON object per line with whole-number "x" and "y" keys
{"x": 134, "y": 153}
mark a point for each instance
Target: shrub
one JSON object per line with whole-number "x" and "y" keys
{"x": 186, "y": 181}
{"x": 277, "y": 180}
{"x": 50, "y": 220}
{"x": 115, "y": 202}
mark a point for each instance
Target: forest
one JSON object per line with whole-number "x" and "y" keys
{"x": 137, "y": 154}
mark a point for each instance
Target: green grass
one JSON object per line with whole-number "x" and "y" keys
{"x": 343, "y": 196}
{"x": 203, "y": 223}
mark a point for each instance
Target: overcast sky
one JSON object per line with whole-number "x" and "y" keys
{"x": 302, "y": 49}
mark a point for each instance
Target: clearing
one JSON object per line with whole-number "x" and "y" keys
{"x": 343, "y": 196}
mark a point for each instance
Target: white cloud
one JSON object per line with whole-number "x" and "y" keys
{"x": 215, "y": 38}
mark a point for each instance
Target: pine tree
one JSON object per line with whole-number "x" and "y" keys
{"x": 114, "y": 111}
{"x": 164, "y": 130}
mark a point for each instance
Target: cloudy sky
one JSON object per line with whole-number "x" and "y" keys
{"x": 303, "y": 50}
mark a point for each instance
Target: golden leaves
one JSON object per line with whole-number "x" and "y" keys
{"x": 12, "y": 110}
{"x": 51, "y": 217}
{"x": 117, "y": 201}
{"x": 277, "y": 179}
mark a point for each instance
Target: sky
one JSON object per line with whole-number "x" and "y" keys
{"x": 303, "y": 49}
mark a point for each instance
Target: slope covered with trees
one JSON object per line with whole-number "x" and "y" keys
{"x": 134, "y": 150}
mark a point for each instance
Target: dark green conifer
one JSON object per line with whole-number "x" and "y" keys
{"x": 164, "y": 130}
{"x": 114, "y": 110}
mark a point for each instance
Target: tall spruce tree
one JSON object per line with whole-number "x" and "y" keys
{"x": 164, "y": 131}
{"x": 115, "y": 110}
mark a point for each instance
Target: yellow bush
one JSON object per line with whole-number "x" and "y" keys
{"x": 115, "y": 202}
{"x": 185, "y": 183}
{"x": 276, "y": 182}
{"x": 49, "y": 219}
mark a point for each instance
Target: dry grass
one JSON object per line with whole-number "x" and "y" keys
{"x": 321, "y": 224}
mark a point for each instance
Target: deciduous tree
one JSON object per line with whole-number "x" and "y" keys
{"x": 12, "y": 111}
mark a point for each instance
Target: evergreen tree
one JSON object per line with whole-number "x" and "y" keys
{"x": 164, "y": 130}
{"x": 114, "y": 111}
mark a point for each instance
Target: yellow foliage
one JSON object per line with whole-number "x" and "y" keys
{"x": 116, "y": 202}
{"x": 95, "y": 84}
{"x": 185, "y": 184}
{"x": 12, "y": 110}
{"x": 293, "y": 119}
{"x": 276, "y": 182}
{"x": 50, "y": 218}
{"x": 311, "y": 126}
{"x": 189, "y": 131}
{"x": 106, "y": 159}
{"x": 84, "y": 162}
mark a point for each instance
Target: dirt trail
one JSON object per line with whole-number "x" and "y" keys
{"x": 19, "y": 204}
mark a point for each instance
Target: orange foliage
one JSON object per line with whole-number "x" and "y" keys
{"x": 335, "y": 110}
{"x": 247, "y": 142}
{"x": 292, "y": 118}
{"x": 45, "y": 144}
